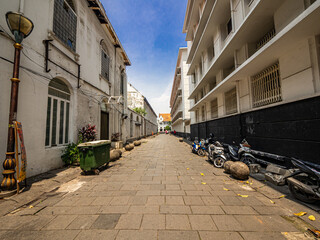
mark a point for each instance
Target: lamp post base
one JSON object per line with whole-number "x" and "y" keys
{"x": 9, "y": 181}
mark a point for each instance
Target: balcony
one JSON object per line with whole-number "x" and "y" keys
{"x": 201, "y": 26}
{"x": 296, "y": 31}
{"x": 255, "y": 25}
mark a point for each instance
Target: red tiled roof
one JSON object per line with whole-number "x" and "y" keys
{"x": 166, "y": 116}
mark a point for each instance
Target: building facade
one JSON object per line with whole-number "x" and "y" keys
{"x": 254, "y": 66}
{"x": 179, "y": 102}
{"x": 135, "y": 98}
{"x": 73, "y": 73}
{"x": 163, "y": 120}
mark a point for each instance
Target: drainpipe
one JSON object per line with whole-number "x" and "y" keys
{"x": 21, "y": 6}
{"x": 116, "y": 45}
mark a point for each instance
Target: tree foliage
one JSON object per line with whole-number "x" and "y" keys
{"x": 140, "y": 111}
{"x": 168, "y": 128}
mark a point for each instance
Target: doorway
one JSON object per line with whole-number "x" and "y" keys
{"x": 104, "y": 134}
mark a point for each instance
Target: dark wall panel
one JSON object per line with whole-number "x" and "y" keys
{"x": 291, "y": 129}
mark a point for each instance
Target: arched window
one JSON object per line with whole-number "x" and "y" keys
{"x": 65, "y": 22}
{"x": 58, "y": 113}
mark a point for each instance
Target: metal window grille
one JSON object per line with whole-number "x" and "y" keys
{"x": 105, "y": 62}
{"x": 122, "y": 84}
{"x": 65, "y": 23}
{"x": 266, "y": 38}
{"x": 231, "y": 101}
{"x": 214, "y": 108}
{"x": 229, "y": 26}
{"x": 203, "y": 113}
{"x": 266, "y": 87}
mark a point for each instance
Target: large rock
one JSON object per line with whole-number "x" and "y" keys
{"x": 114, "y": 155}
{"x": 239, "y": 170}
{"x": 227, "y": 166}
{"x": 137, "y": 143}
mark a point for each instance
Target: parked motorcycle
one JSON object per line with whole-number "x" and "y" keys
{"x": 216, "y": 154}
{"x": 241, "y": 153}
{"x": 303, "y": 181}
{"x": 197, "y": 147}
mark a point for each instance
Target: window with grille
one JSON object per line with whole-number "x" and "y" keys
{"x": 229, "y": 26}
{"x": 266, "y": 86}
{"x": 122, "y": 84}
{"x": 231, "y": 101}
{"x": 58, "y": 114}
{"x": 65, "y": 22}
{"x": 213, "y": 83}
{"x": 197, "y": 116}
{"x": 105, "y": 62}
{"x": 214, "y": 108}
{"x": 203, "y": 113}
{"x": 210, "y": 52}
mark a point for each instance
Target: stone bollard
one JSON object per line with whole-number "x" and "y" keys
{"x": 239, "y": 170}
{"x": 227, "y": 166}
{"x": 128, "y": 147}
{"x": 137, "y": 143}
{"x": 114, "y": 155}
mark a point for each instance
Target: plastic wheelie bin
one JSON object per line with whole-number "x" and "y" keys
{"x": 94, "y": 155}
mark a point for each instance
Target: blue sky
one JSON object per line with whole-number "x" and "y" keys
{"x": 151, "y": 34}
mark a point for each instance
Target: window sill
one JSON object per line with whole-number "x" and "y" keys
{"x": 105, "y": 79}
{"x": 52, "y": 36}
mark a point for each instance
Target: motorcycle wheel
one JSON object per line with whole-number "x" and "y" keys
{"x": 218, "y": 162}
{"x": 247, "y": 160}
{"x": 201, "y": 152}
{"x": 298, "y": 193}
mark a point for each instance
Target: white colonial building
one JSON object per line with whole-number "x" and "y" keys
{"x": 135, "y": 98}
{"x": 254, "y": 66}
{"x": 179, "y": 102}
{"x": 73, "y": 72}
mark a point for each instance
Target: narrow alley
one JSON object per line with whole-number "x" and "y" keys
{"x": 159, "y": 190}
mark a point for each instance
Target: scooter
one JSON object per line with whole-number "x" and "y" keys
{"x": 303, "y": 181}
{"x": 241, "y": 153}
{"x": 216, "y": 154}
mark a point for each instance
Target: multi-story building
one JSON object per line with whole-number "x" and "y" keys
{"x": 135, "y": 98}
{"x": 163, "y": 120}
{"x": 73, "y": 72}
{"x": 179, "y": 102}
{"x": 255, "y": 72}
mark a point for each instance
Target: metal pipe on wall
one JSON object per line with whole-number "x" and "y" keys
{"x": 21, "y": 6}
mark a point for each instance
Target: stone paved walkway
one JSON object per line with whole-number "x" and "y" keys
{"x": 159, "y": 190}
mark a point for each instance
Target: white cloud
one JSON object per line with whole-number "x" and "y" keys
{"x": 161, "y": 104}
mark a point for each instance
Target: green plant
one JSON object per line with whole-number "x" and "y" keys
{"x": 71, "y": 155}
{"x": 140, "y": 111}
{"x": 168, "y": 128}
{"x": 87, "y": 133}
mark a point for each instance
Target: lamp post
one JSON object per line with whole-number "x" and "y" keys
{"x": 21, "y": 27}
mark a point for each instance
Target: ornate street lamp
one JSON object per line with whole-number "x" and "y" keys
{"x": 21, "y": 27}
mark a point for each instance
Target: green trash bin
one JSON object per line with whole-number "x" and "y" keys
{"x": 94, "y": 155}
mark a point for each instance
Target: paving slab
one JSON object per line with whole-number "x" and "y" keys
{"x": 159, "y": 190}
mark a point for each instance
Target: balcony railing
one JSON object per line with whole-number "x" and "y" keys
{"x": 266, "y": 38}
